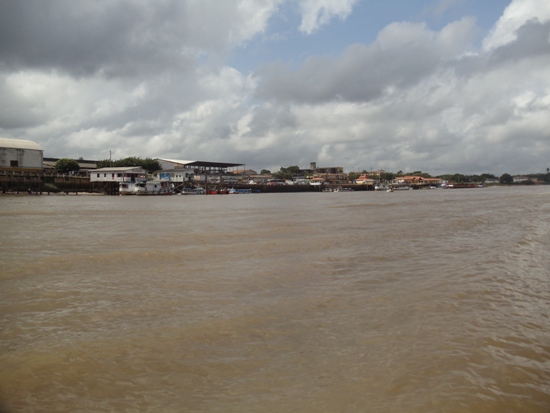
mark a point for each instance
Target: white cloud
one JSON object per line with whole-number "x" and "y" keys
{"x": 226, "y": 23}
{"x": 515, "y": 16}
{"x": 402, "y": 55}
{"x": 316, "y": 13}
{"x": 415, "y": 98}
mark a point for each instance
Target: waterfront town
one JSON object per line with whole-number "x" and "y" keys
{"x": 23, "y": 168}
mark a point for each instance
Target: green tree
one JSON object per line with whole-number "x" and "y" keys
{"x": 150, "y": 165}
{"x": 66, "y": 165}
{"x": 295, "y": 170}
{"x": 287, "y": 173}
{"x": 388, "y": 176}
{"x": 352, "y": 176}
{"x": 488, "y": 176}
{"x": 506, "y": 179}
{"x": 456, "y": 178}
{"x": 265, "y": 172}
{"x": 282, "y": 174}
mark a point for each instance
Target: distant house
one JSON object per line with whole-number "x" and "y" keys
{"x": 317, "y": 181}
{"x": 118, "y": 174}
{"x": 417, "y": 180}
{"x": 20, "y": 155}
{"x": 247, "y": 172}
{"x": 364, "y": 180}
{"x": 259, "y": 179}
{"x": 336, "y": 170}
{"x": 177, "y": 175}
{"x": 520, "y": 178}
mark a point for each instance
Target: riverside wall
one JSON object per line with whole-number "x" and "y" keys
{"x": 40, "y": 183}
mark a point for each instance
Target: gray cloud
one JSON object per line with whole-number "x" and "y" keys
{"x": 403, "y": 55}
{"x": 533, "y": 40}
{"x": 122, "y": 38}
{"x": 84, "y": 38}
{"x": 148, "y": 79}
{"x": 18, "y": 111}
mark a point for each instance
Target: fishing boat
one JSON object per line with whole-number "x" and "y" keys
{"x": 192, "y": 191}
{"x": 219, "y": 191}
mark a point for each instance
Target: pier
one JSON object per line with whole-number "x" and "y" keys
{"x": 43, "y": 183}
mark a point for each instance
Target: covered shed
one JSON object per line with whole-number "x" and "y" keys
{"x": 118, "y": 174}
{"x": 20, "y": 155}
{"x": 181, "y": 171}
{"x": 199, "y": 167}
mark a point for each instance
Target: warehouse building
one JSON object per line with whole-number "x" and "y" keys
{"x": 20, "y": 155}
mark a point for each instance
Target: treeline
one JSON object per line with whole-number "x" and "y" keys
{"x": 505, "y": 178}
{"x": 294, "y": 171}
{"x": 150, "y": 165}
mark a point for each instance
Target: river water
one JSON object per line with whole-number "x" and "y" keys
{"x": 412, "y": 301}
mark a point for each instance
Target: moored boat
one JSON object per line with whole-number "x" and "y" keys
{"x": 126, "y": 188}
{"x": 153, "y": 188}
{"x": 145, "y": 188}
{"x": 464, "y": 185}
{"x": 240, "y": 191}
{"x": 219, "y": 191}
{"x": 192, "y": 191}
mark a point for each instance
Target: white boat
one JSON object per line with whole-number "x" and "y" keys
{"x": 380, "y": 187}
{"x": 389, "y": 190}
{"x": 145, "y": 188}
{"x": 240, "y": 191}
{"x": 192, "y": 191}
{"x": 126, "y": 188}
{"x": 153, "y": 188}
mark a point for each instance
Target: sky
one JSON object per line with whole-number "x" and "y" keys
{"x": 440, "y": 86}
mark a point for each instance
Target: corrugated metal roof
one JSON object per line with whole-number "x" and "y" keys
{"x": 19, "y": 144}
{"x": 201, "y": 163}
{"x": 120, "y": 169}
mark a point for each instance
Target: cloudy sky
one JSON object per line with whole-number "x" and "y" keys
{"x": 442, "y": 86}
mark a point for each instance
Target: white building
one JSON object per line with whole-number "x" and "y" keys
{"x": 520, "y": 178}
{"x": 177, "y": 176}
{"x": 118, "y": 174}
{"x": 20, "y": 155}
